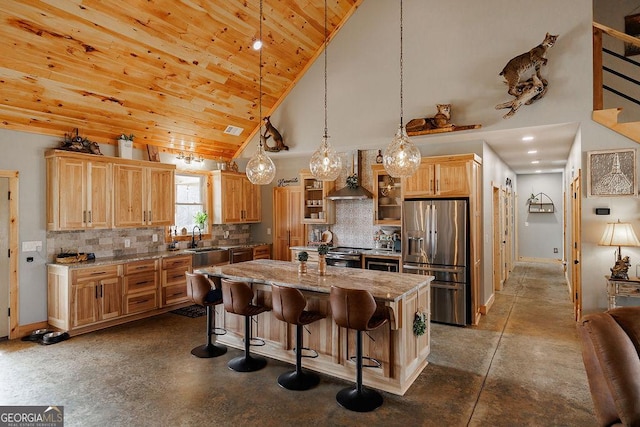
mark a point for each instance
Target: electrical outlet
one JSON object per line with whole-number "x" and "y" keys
{"x": 127, "y": 243}
{"x": 154, "y": 237}
{"x": 226, "y": 234}
{"x": 555, "y": 250}
{"x": 268, "y": 230}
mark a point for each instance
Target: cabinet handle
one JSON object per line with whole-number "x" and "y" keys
{"x": 101, "y": 286}
{"x": 144, "y": 216}
{"x": 84, "y": 216}
{"x": 437, "y": 185}
{"x": 431, "y": 185}
{"x": 90, "y": 219}
{"x": 149, "y": 216}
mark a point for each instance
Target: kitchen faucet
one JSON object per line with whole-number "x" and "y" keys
{"x": 193, "y": 236}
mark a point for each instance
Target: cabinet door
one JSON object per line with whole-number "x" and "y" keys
{"x": 110, "y": 300}
{"x": 421, "y": 183}
{"x": 72, "y": 185}
{"x": 387, "y": 198}
{"x": 287, "y": 224}
{"x": 452, "y": 178}
{"x": 99, "y": 195}
{"x": 84, "y": 300}
{"x": 129, "y": 201}
{"x": 161, "y": 209}
{"x": 251, "y": 201}
{"x": 232, "y": 198}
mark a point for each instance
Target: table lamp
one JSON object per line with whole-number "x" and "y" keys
{"x": 619, "y": 234}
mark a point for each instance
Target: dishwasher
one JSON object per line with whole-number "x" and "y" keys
{"x": 240, "y": 254}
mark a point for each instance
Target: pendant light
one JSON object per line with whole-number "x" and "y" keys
{"x": 260, "y": 169}
{"x": 325, "y": 163}
{"x": 401, "y": 157}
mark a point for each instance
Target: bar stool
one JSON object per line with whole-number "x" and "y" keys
{"x": 356, "y": 309}
{"x": 288, "y": 306}
{"x": 237, "y": 298}
{"x": 203, "y": 291}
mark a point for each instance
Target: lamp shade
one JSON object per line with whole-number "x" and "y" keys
{"x": 619, "y": 234}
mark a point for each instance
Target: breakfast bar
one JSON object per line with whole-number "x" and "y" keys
{"x": 402, "y": 354}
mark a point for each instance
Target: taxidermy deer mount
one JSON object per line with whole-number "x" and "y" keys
{"x": 271, "y": 131}
{"x": 532, "y": 88}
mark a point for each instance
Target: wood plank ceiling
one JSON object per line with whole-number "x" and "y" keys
{"x": 173, "y": 73}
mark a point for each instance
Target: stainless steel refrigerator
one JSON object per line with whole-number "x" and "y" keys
{"x": 435, "y": 242}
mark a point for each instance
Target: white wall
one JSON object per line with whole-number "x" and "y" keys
{"x": 540, "y": 233}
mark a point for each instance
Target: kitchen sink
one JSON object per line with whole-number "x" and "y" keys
{"x": 204, "y": 257}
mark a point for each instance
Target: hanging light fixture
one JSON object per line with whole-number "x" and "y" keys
{"x": 260, "y": 169}
{"x": 325, "y": 163}
{"x": 401, "y": 157}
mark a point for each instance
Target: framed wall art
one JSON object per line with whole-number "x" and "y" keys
{"x": 611, "y": 173}
{"x": 632, "y": 28}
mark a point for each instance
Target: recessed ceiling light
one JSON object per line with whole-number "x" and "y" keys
{"x": 527, "y": 138}
{"x": 532, "y": 151}
{"x": 535, "y": 162}
{"x": 538, "y": 171}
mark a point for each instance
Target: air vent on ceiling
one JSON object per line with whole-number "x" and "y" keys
{"x": 233, "y": 130}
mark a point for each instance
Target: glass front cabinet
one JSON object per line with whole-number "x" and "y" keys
{"x": 316, "y": 208}
{"x": 387, "y": 197}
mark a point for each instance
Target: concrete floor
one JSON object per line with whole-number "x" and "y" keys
{"x": 521, "y": 366}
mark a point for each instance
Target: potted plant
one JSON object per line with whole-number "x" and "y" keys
{"x": 201, "y": 219}
{"x": 125, "y": 145}
{"x": 303, "y": 256}
{"x": 323, "y": 249}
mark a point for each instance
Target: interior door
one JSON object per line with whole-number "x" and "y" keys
{"x": 497, "y": 239}
{"x": 576, "y": 244}
{"x": 4, "y": 260}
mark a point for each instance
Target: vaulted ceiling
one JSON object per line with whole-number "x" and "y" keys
{"x": 174, "y": 73}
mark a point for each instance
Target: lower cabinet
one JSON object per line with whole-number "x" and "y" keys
{"x": 174, "y": 281}
{"x": 84, "y": 299}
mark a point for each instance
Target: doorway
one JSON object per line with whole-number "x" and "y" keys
{"x": 576, "y": 244}
{"x": 498, "y": 239}
{"x": 9, "y": 245}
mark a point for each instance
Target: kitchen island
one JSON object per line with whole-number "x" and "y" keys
{"x": 402, "y": 354}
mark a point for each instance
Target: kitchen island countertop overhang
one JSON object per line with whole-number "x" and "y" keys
{"x": 403, "y": 354}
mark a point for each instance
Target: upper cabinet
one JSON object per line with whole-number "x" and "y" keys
{"x": 316, "y": 208}
{"x": 235, "y": 199}
{"x": 144, "y": 195}
{"x": 387, "y": 197}
{"x": 87, "y": 191}
{"x": 442, "y": 176}
{"x": 78, "y": 193}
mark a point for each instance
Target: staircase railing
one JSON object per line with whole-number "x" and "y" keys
{"x": 598, "y": 67}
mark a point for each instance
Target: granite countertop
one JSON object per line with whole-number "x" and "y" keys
{"x": 122, "y": 259}
{"x": 384, "y": 286}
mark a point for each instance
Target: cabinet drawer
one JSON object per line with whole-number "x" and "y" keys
{"x": 140, "y": 266}
{"x": 175, "y": 276}
{"x": 96, "y": 272}
{"x": 628, "y": 290}
{"x": 175, "y": 262}
{"x": 140, "y": 282}
{"x": 141, "y": 302}
{"x": 174, "y": 294}
{"x": 262, "y": 252}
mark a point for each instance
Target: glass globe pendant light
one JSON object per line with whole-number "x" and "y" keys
{"x": 401, "y": 157}
{"x": 325, "y": 163}
{"x": 260, "y": 169}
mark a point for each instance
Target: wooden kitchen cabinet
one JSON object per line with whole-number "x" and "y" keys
{"x": 316, "y": 208}
{"x": 262, "y": 252}
{"x": 235, "y": 199}
{"x": 96, "y": 295}
{"x": 143, "y": 195}
{"x": 78, "y": 192}
{"x": 287, "y": 221}
{"x": 387, "y": 197}
{"x": 441, "y": 176}
{"x": 174, "y": 280}
{"x": 140, "y": 286}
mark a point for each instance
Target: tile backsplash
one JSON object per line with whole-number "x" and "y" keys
{"x": 111, "y": 243}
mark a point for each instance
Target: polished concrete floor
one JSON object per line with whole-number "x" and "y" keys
{"x": 520, "y": 366}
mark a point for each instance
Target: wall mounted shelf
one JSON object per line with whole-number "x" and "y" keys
{"x": 541, "y": 203}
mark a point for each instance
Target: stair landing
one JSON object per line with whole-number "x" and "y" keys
{"x": 609, "y": 118}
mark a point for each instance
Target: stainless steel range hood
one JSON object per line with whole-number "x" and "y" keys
{"x": 355, "y": 193}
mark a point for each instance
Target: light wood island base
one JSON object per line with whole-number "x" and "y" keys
{"x": 402, "y": 354}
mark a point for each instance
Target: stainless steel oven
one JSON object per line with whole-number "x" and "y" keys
{"x": 382, "y": 264}
{"x": 344, "y": 257}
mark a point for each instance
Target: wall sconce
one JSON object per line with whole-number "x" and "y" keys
{"x": 189, "y": 157}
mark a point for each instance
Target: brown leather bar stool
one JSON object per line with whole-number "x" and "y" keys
{"x": 237, "y": 298}
{"x": 288, "y": 306}
{"x": 356, "y": 309}
{"x": 202, "y": 291}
